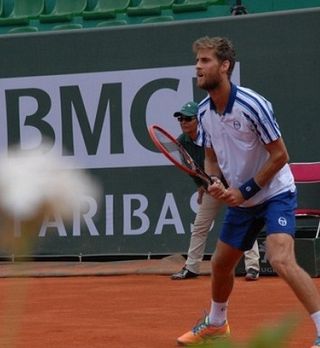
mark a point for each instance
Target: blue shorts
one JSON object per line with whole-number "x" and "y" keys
{"x": 242, "y": 225}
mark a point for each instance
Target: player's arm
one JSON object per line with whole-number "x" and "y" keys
{"x": 211, "y": 167}
{"x": 278, "y": 158}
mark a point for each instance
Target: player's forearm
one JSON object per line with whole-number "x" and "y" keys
{"x": 211, "y": 164}
{"x": 278, "y": 158}
{"x": 270, "y": 169}
{"x": 212, "y": 168}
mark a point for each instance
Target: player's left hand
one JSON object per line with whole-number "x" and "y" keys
{"x": 233, "y": 197}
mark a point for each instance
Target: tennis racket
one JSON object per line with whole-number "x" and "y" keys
{"x": 177, "y": 154}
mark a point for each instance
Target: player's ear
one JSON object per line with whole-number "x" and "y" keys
{"x": 225, "y": 66}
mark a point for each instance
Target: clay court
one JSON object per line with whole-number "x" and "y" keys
{"x": 129, "y": 304}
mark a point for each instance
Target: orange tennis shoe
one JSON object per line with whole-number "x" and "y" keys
{"x": 204, "y": 333}
{"x": 316, "y": 343}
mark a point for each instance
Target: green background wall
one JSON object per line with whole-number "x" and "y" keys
{"x": 278, "y": 55}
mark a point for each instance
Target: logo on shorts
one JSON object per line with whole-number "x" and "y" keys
{"x": 282, "y": 221}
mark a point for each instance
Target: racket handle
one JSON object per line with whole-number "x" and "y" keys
{"x": 214, "y": 178}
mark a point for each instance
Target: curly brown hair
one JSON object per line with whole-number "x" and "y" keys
{"x": 222, "y": 47}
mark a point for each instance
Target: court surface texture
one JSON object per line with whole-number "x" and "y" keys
{"x": 130, "y": 304}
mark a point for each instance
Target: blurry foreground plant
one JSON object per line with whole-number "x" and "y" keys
{"x": 34, "y": 186}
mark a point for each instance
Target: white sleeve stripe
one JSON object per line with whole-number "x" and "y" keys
{"x": 252, "y": 115}
{"x": 269, "y": 128}
{"x": 266, "y": 111}
{"x": 256, "y": 128}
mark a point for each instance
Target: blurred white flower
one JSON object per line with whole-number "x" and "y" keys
{"x": 32, "y": 181}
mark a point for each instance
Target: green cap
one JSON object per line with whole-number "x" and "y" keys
{"x": 189, "y": 109}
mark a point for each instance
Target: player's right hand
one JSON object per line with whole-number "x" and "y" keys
{"x": 217, "y": 189}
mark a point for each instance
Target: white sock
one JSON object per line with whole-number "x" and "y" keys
{"x": 218, "y": 313}
{"x": 316, "y": 318}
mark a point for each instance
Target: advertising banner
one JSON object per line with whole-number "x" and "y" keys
{"x": 91, "y": 95}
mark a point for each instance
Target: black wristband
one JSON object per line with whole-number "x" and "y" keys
{"x": 249, "y": 189}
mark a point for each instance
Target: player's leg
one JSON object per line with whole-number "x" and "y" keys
{"x": 239, "y": 233}
{"x": 203, "y": 222}
{"x": 280, "y": 253}
{"x": 224, "y": 261}
{"x": 225, "y": 258}
{"x": 251, "y": 262}
{"x": 280, "y": 226}
{"x": 215, "y": 324}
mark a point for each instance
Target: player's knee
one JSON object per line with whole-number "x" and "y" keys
{"x": 282, "y": 264}
{"x": 220, "y": 267}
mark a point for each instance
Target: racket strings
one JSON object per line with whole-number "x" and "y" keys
{"x": 176, "y": 153}
{"x": 176, "y": 150}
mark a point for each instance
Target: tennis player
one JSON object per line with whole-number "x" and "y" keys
{"x": 208, "y": 206}
{"x": 242, "y": 138}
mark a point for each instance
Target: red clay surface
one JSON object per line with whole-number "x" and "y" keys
{"x": 134, "y": 311}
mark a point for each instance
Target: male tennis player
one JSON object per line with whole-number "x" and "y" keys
{"x": 242, "y": 138}
{"x": 208, "y": 206}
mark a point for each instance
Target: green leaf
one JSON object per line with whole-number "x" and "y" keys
{"x": 274, "y": 336}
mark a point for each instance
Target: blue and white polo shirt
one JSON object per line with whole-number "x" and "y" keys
{"x": 238, "y": 137}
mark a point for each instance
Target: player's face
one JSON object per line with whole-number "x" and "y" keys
{"x": 210, "y": 71}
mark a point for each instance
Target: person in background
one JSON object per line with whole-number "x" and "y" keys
{"x": 208, "y": 206}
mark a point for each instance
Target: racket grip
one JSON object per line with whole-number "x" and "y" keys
{"x": 214, "y": 178}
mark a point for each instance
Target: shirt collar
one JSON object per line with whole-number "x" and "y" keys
{"x": 232, "y": 97}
